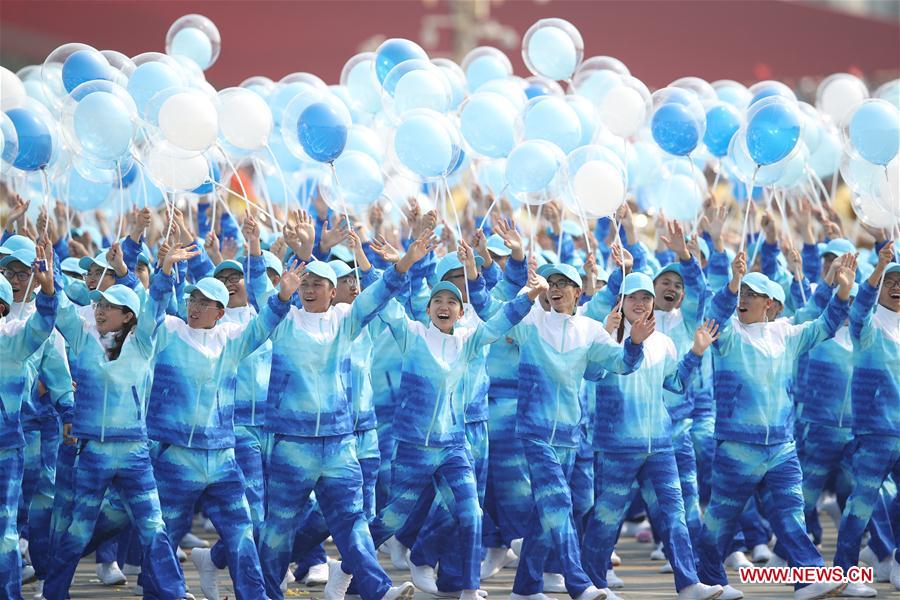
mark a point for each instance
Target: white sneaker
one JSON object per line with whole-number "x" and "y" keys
{"x": 316, "y": 575}
{"x": 730, "y": 593}
{"x": 209, "y": 574}
{"x": 776, "y": 561}
{"x": 895, "y": 574}
{"x": 516, "y": 546}
{"x": 554, "y": 583}
{"x": 38, "y": 590}
{"x": 137, "y": 590}
{"x": 530, "y": 597}
{"x": 611, "y": 595}
{"x": 397, "y": 552}
{"x": 761, "y": 553}
{"x": 23, "y": 549}
{"x": 404, "y": 591}
{"x": 459, "y": 594}
{"x": 823, "y": 589}
{"x": 191, "y": 541}
{"x": 423, "y": 577}
{"x": 28, "y": 574}
{"x": 613, "y": 581}
{"x": 630, "y": 528}
{"x": 592, "y": 593}
{"x": 882, "y": 568}
{"x": 494, "y": 560}
{"x": 615, "y": 559}
{"x": 131, "y": 569}
{"x": 208, "y": 525}
{"x": 110, "y": 574}
{"x": 736, "y": 560}
{"x": 666, "y": 568}
{"x": 830, "y": 506}
{"x": 338, "y": 581}
{"x": 179, "y": 553}
{"x": 658, "y": 553}
{"x": 700, "y": 591}
{"x": 858, "y": 590}
{"x": 289, "y": 578}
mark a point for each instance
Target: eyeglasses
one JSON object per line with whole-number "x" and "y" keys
{"x": 103, "y": 305}
{"x": 233, "y": 278}
{"x": 203, "y": 304}
{"x": 893, "y": 282}
{"x": 751, "y": 294}
{"x": 95, "y": 273}
{"x": 20, "y": 275}
{"x": 560, "y": 284}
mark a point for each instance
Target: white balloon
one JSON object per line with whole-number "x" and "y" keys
{"x": 189, "y": 121}
{"x": 623, "y": 111}
{"x": 12, "y": 91}
{"x": 890, "y": 191}
{"x": 244, "y": 118}
{"x": 176, "y": 173}
{"x": 873, "y": 212}
{"x": 839, "y": 93}
{"x": 599, "y": 188}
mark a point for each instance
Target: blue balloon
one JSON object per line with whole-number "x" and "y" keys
{"x": 214, "y": 175}
{"x": 149, "y": 79}
{"x": 103, "y": 126}
{"x": 424, "y": 146}
{"x": 554, "y": 120}
{"x": 772, "y": 132}
{"x": 84, "y": 194}
{"x": 322, "y": 132}
{"x": 534, "y": 90}
{"x": 35, "y": 141}
{"x": 768, "y": 89}
{"x": 722, "y": 122}
{"x": 192, "y": 43}
{"x": 394, "y": 51}
{"x": 130, "y": 175}
{"x": 359, "y": 178}
{"x": 488, "y": 123}
{"x": 484, "y": 69}
{"x": 84, "y": 65}
{"x": 287, "y": 161}
{"x": 551, "y": 53}
{"x": 875, "y": 131}
{"x": 532, "y": 165}
{"x": 675, "y": 129}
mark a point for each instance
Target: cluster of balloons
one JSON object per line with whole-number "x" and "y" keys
{"x": 585, "y": 131}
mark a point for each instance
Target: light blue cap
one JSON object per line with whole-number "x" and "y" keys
{"x": 704, "y": 247}
{"x": 550, "y": 256}
{"x": 25, "y": 256}
{"x": 70, "y": 265}
{"x": 99, "y": 260}
{"x": 212, "y": 288}
{"x": 446, "y": 286}
{"x": 323, "y": 270}
{"x": 854, "y": 290}
{"x": 637, "y": 282}
{"x": 838, "y": 246}
{"x": 143, "y": 257}
{"x": 341, "y": 252}
{"x": 341, "y": 269}
{"x": 542, "y": 270}
{"x": 120, "y": 295}
{"x": 892, "y": 268}
{"x": 451, "y": 261}
{"x": 497, "y": 246}
{"x": 229, "y": 264}
{"x": 273, "y": 263}
{"x": 567, "y": 271}
{"x": 602, "y": 274}
{"x": 669, "y": 268}
{"x": 776, "y": 292}
{"x": 572, "y": 228}
{"x": 758, "y": 282}
{"x": 16, "y": 242}
{"x": 6, "y": 293}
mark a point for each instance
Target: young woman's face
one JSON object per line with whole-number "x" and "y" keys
{"x": 111, "y": 318}
{"x": 445, "y": 310}
{"x": 18, "y": 276}
{"x": 346, "y": 290}
{"x": 143, "y": 274}
{"x": 752, "y": 306}
{"x": 563, "y": 294}
{"x": 637, "y": 306}
{"x": 316, "y": 293}
{"x": 669, "y": 288}
{"x": 202, "y": 312}
{"x": 92, "y": 278}
{"x": 890, "y": 292}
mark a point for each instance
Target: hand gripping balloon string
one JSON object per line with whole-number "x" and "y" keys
{"x": 45, "y": 186}
{"x": 459, "y": 233}
{"x": 747, "y": 211}
{"x": 618, "y": 242}
{"x": 337, "y": 189}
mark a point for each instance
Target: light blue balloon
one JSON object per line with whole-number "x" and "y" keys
{"x": 283, "y": 156}
{"x": 875, "y": 131}
{"x": 103, "y": 126}
{"x": 36, "y": 89}
{"x": 509, "y": 89}
{"x": 532, "y": 165}
{"x": 421, "y": 88}
{"x": 84, "y": 194}
{"x": 148, "y": 80}
{"x": 773, "y": 131}
{"x": 680, "y": 197}
{"x": 364, "y": 87}
{"x": 279, "y": 99}
{"x": 587, "y": 116}
{"x": 363, "y": 139}
{"x": 552, "y": 119}
{"x": 826, "y": 158}
{"x": 644, "y": 165}
{"x": 483, "y": 69}
{"x": 735, "y": 95}
{"x": 487, "y": 123}
{"x": 424, "y": 146}
{"x": 722, "y": 122}
{"x": 359, "y": 178}
{"x": 596, "y": 85}
{"x": 552, "y": 53}
{"x": 491, "y": 175}
{"x": 192, "y": 43}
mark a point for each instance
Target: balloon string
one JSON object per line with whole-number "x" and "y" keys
{"x": 121, "y": 219}
{"x": 249, "y": 202}
{"x": 264, "y": 188}
{"x": 747, "y": 211}
{"x": 834, "y": 179}
{"x": 787, "y": 231}
{"x": 342, "y": 203}
{"x": 484, "y": 218}
{"x": 45, "y": 188}
{"x": 715, "y": 182}
{"x": 240, "y": 179}
{"x": 459, "y": 233}
{"x": 280, "y": 176}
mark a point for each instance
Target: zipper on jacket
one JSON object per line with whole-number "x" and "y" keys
{"x": 562, "y": 349}
{"x": 318, "y": 397}
{"x": 196, "y": 415}
{"x": 103, "y": 421}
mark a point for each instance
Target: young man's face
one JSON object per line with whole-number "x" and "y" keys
{"x": 458, "y": 278}
{"x": 202, "y": 312}
{"x": 316, "y": 293}
{"x": 753, "y": 306}
{"x": 346, "y": 290}
{"x": 890, "y": 292}
{"x": 563, "y": 294}
{"x": 93, "y": 275}
{"x": 236, "y": 286}
{"x": 669, "y": 288}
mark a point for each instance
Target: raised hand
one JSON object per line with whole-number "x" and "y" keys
{"x": 537, "y": 285}
{"x": 768, "y": 226}
{"x": 590, "y": 272}
{"x": 413, "y": 215}
{"x": 383, "y": 248}
{"x": 479, "y": 242}
{"x": 211, "y": 245}
{"x": 643, "y": 328}
{"x": 675, "y": 240}
{"x": 142, "y": 220}
{"x": 332, "y": 237}
{"x": 467, "y": 258}
{"x": 846, "y": 275}
{"x": 229, "y": 248}
{"x": 42, "y": 268}
{"x": 795, "y": 262}
{"x": 511, "y": 237}
{"x": 418, "y": 250}
{"x": 554, "y": 216}
{"x": 614, "y": 319}
{"x": 250, "y": 228}
{"x": 177, "y": 254}
{"x": 832, "y": 229}
{"x": 704, "y": 337}
{"x": 738, "y": 270}
{"x": 116, "y": 259}
{"x": 626, "y": 220}
{"x": 716, "y": 226}
{"x": 77, "y": 249}
{"x": 622, "y": 258}
{"x": 16, "y": 212}
{"x": 290, "y": 281}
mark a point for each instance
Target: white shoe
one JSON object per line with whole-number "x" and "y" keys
{"x": 666, "y": 568}
{"x": 209, "y": 574}
{"x": 208, "y": 525}
{"x": 110, "y": 574}
{"x": 530, "y": 597}
{"x": 776, "y": 561}
{"x": 830, "y": 506}
{"x": 736, "y": 560}
{"x": 179, "y": 553}
{"x": 289, "y": 579}
{"x": 516, "y": 546}
{"x": 459, "y": 594}
{"x": 38, "y": 589}
{"x": 423, "y": 577}
{"x": 730, "y": 593}
{"x": 495, "y": 560}
{"x": 613, "y": 581}
{"x": 611, "y": 595}
{"x": 554, "y": 583}
{"x": 615, "y": 559}
{"x": 592, "y": 593}
{"x": 761, "y": 553}
{"x": 404, "y": 591}
{"x": 882, "y": 568}
{"x": 131, "y": 569}
{"x": 823, "y": 589}
{"x": 28, "y": 574}
{"x": 397, "y": 552}
{"x": 700, "y": 591}
{"x": 137, "y": 590}
{"x": 630, "y": 528}
{"x": 895, "y": 574}
{"x": 316, "y": 575}
{"x": 191, "y": 541}
{"x": 658, "y": 553}
{"x": 858, "y": 590}
{"x": 338, "y": 581}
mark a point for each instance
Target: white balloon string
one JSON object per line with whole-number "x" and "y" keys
{"x": 343, "y": 204}
{"x": 459, "y": 233}
{"x": 264, "y": 189}
{"x": 487, "y": 214}
{"x": 280, "y": 176}
{"x": 780, "y": 203}
{"x": 233, "y": 169}
{"x": 618, "y": 242}
{"x": 121, "y": 219}
{"x": 249, "y": 202}
{"x": 834, "y": 180}
{"x": 45, "y": 185}
{"x": 747, "y": 210}
{"x": 715, "y": 182}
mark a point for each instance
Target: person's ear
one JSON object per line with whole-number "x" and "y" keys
{"x": 3, "y": 309}
{"x": 220, "y": 314}
{"x": 129, "y": 317}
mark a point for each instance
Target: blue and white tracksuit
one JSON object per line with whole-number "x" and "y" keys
{"x": 754, "y": 429}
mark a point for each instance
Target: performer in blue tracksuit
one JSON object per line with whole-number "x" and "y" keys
{"x": 190, "y": 414}
{"x": 114, "y": 359}
{"x": 754, "y": 360}
{"x": 875, "y": 394}
{"x": 633, "y": 441}
{"x": 19, "y": 340}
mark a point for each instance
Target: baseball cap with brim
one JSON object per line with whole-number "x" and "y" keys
{"x": 341, "y": 269}
{"x": 212, "y": 288}
{"x": 25, "y": 256}
{"x": 543, "y": 269}
{"x": 669, "y": 268}
{"x": 119, "y": 295}
{"x": 567, "y": 271}
{"x": 273, "y": 263}
{"x": 637, "y": 282}
{"x": 16, "y": 242}
{"x": 99, "y": 260}
{"x": 551, "y": 256}
{"x": 450, "y": 262}
{"x": 602, "y": 275}
{"x": 838, "y": 246}
{"x": 497, "y": 246}
{"x": 144, "y": 258}
{"x": 446, "y": 286}
{"x": 572, "y": 228}
{"x": 341, "y": 252}
{"x": 758, "y": 282}
{"x": 322, "y": 269}
{"x": 776, "y": 292}
{"x": 6, "y": 293}
{"x": 70, "y": 265}
{"x": 892, "y": 268}
{"x": 229, "y": 264}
